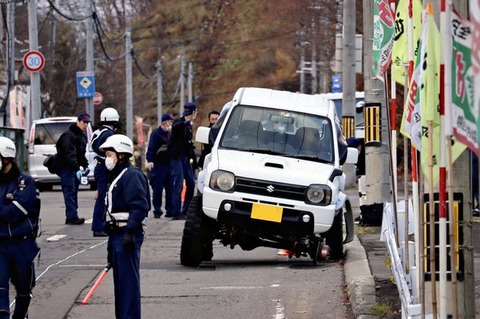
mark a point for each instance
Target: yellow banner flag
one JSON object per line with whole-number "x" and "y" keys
{"x": 400, "y": 43}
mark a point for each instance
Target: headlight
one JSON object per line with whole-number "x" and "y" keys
{"x": 318, "y": 195}
{"x": 223, "y": 181}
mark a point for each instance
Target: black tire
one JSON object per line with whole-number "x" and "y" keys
{"x": 44, "y": 187}
{"x": 192, "y": 240}
{"x": 334, "y": 237}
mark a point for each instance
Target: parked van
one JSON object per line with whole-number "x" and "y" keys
{"x": 44, "y": 134}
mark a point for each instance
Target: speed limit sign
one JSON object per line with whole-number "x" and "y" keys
{"x": 33, "y": 61}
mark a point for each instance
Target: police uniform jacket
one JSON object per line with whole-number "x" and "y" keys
{"x": 99, "y": 137}
{"x": 71, "y": 148}
{"x": 130, "y": 194}
{"x": 19, "y": 205}
{"x": 181, "y": 143}
{"x": 158, "y": 138}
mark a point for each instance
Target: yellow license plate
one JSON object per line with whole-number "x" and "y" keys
{"x": 267, "y": 212}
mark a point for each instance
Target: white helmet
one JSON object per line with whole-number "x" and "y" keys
{"x": 120, "y": 143}
{"x": 7, "y": 147}
{"x": 109, "y": 115}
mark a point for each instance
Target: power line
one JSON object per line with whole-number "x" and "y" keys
{"x": 66, "y": 16}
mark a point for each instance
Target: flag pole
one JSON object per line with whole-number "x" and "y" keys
{"x": 432, "y": 220}
{"x": 445, "y": 75}
{"x": 428, "y": 115}
{"x": 442, "y": 178}
{"x": 415, "y": 189}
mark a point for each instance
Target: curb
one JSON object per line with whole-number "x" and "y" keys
{"x": 359, "y": 279}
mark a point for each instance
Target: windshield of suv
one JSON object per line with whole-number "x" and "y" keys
{"x": 279, "y": 132}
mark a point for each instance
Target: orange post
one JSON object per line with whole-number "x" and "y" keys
{"x": 184, "y": 190}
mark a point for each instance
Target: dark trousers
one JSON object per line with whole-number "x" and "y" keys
{"x": 101, "y": 179}
{"x": 161, "y": 179}
{"x": 70, "y": 185}
{"x": 16, "y": 264}
{"x": 181, "y": 170}
{"x": 126, "y": 275}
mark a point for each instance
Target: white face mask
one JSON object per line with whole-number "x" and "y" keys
{"x": 110, "y": 162}
{"x": 169, "y": 128}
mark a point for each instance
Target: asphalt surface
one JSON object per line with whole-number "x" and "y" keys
{"x": 368, "y": 279}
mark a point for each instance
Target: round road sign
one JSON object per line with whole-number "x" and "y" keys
{"x": 97, "y": 98}
{"x": 33, "y": 61}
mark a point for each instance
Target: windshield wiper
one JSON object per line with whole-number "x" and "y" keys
{"x": 313, "y": 158}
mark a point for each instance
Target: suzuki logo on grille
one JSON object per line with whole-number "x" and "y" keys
{"x": 270, "y": 188}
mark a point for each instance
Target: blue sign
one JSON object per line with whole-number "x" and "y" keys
{"x": 336, "y": 86}
{"x": 85, "y": 84}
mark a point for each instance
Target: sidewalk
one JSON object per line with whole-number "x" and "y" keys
{"x": 368, "y": 278}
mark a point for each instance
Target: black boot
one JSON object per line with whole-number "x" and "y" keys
{"x": 21, "y": 306}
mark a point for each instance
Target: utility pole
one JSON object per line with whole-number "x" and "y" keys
{"x": 376, "y": 152}
{"x": 182, "y": 84}
{"x": 10, "y": 59}
{"x": 128, "y": 73}
{"x": 302, "y": 68}
{"x": 348, "y": 65}
{"x": 190, "y": 82}
{"x": 35, "y": 105}
{"x": 89, "y": 60}
{"x": 314, "y": 54}
{"x": 158, "y": 65}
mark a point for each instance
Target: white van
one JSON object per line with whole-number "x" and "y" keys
{"x": 44, "y": 134}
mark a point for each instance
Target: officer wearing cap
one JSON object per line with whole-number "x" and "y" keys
{"x": 181, "y": 151}
{"x": 71, "y": 148}
{"x": 19, "y": 212}
{"x": 109, "y": 118}
{"x": 127, "y": 206}
{"x": 158, "y": 162}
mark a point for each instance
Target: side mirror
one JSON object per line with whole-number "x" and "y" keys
{"x": 202, "y": 134}
{"x": 352, "y": 155}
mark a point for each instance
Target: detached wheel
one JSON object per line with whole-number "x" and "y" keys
{"x": 334, "y": 237}
{"x": 192, "y": 240}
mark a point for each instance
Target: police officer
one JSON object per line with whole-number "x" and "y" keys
{"x": 182, "y": 155}
{"x": 19, "y": 212}
{"x": 158, "y": 161}
{"x": 71, "y": 148}
{"x": 109, "y": 122}
{"x": 128, "y": 204}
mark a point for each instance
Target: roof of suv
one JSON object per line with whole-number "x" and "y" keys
{"x": 314, "y": 104}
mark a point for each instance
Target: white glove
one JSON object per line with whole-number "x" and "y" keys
{"x": 150, "y": 166}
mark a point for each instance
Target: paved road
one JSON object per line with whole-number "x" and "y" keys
{"x": 236, "y": 284}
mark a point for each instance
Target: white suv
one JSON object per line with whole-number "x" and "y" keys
{"x": 273, "y": 178}
{"x": 44, "y": 134}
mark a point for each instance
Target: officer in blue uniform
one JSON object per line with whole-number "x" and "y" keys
{"x": 19, "y": 212}
{"x": 109, "y": 122}
{"x": 182, "y": 156}
{"x": 158, "y": 162}
{"x": 127, "y": 206}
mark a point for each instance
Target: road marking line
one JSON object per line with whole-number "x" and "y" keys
{"x": 69, "y": 257}
{"x": 56, "y": 237}
{"x": 279, "y": 310}
{"x": 230, "y": 287}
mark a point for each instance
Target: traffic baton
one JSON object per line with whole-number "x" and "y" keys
{"x": 96, "y": 284}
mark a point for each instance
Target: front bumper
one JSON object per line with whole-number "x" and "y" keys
{"x": 287, "y": 222}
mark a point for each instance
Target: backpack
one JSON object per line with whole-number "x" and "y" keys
{"x": 53, "y": 163}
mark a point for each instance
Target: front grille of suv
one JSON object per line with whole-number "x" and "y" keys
{"x": 272, "y": 189}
